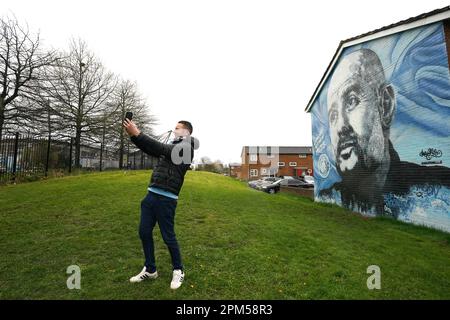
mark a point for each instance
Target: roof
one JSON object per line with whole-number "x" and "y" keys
{"x": 414, "y": 22}
{"x": 281, "y": 149}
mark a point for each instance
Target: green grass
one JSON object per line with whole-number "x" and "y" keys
{"x": 236, "y": 243}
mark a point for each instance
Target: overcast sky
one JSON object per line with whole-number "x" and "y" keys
{"x": 241, "y": 71}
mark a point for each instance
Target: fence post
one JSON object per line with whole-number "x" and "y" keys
{"x": 48, "y": 155}
{"x": 70, "y": 155}
{"x": 101, "y": 156}
{"x": 16, "y": 147}
{"x": 128, "y": 156}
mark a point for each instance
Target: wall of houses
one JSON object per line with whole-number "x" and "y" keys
{"x": 282, "y": 165}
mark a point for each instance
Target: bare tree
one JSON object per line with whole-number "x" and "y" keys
{"x": 36, "y": 111}
{"x": 127, "y": 97}
{"x": 80, "y": 87}
{"x": 21, "y": 58}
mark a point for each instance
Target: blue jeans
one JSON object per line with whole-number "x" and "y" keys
{"x": 161, "y": 209}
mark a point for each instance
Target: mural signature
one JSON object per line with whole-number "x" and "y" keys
{"x": 430, "y": 153}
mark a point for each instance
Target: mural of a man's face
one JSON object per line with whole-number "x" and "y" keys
{"x": 360, "y": 109}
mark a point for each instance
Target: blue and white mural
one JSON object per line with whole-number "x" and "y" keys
{"x": 381, "y": 129}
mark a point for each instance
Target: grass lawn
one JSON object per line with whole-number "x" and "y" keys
{"x": 236, "y": 243}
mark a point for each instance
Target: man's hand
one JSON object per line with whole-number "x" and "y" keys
{"x": 131, "y": 128}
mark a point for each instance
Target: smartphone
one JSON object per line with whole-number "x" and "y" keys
{"x": 129, "y": 115}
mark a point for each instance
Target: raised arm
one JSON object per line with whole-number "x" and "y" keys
{"x": 152, "y": 146}
{"x": 147, "y": 144}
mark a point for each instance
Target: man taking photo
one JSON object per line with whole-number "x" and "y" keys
{"x": 162, "y": 198}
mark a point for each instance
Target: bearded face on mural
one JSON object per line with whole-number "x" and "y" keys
{"x": 360, "y": 110}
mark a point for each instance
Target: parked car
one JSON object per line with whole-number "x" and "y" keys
{"x": 308, "y": 179}
{"x": 262, "y": 184}
{"x": 276, "y": 186}
{"x": 256, "y": 183}
{"x": 271, "y": 179}
{"x": 298, "y": 183}
{"x": 272, "y": 187}
{"x": 253, "y": 183}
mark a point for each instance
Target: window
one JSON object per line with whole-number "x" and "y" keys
{"x": 292, "y": 164}
{"x": 302, "y": 155}
{"x": 253, "y": 172}
{"x": 281, "y": 164}
{"x": 253, "y": 157}
{"x": 264, "y": 171}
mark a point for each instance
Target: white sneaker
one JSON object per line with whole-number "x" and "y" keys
{"x": 143, "y": 275}
{"x": 177, "y": 279}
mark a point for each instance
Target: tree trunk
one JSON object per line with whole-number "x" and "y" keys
{"x": 121, "y": 149}
{"x": 2, "y": 117}
{"x": 78, "y": 147}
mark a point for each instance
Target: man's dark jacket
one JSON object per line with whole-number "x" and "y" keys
{"x": 169, "y": 173}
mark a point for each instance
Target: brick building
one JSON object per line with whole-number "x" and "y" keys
{"x": 260, "y": 161}
{"x": 235, "y": 170}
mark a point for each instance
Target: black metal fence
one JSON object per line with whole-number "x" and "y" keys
{"x": 25, "y": 156}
